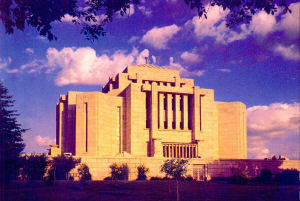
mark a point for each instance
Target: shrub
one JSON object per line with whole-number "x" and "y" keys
{"x": 288, "y": 177}
{"x": 61, "y": 165}
{"x": 265, "y": 176}
{"x": 84, "y": 173}
{"x": 240, "y": 178}
{"x": 119, "y": 172}
{"x": 188, "y": 178}
{"x": 156, "y": 178}
{"x": 33, "y": 166}
{"x": 142, "y": 172}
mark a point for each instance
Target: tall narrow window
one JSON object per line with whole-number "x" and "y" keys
{"x": 200, "y": 106}
{"x": 148, "y": 109}
{"x": 86, "y": 127}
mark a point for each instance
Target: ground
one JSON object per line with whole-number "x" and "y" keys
{"x": 147, "y": 190}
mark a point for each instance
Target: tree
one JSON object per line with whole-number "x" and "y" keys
{"x": 34, "y": 166}
{"x": 61, "y": 165}
{"x": 11, "y": 142}
{"x": 15, "y": 14}
{"x": 175, "y": 169}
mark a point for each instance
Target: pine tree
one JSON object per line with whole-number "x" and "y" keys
{"x": 11, "y": 142}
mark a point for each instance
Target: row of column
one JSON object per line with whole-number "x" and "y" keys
{"x": 180, "y": 151}
{"x": 169, "y": 114}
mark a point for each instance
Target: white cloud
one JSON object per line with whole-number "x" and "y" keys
{"x": 69, "y": 19}
{"x": 290, "y": 22}
{"x": 262, "y": 23}
{"x": 83, "y": 66}
{"x": 290, "y": 53}
{"x": 159, "y": 37}
{"x": 29, "y": 50}
{"x": 256, "y": 147}
{"x": 183, "y": 71}
{"x": 133, "y": 39}
{"x": 146, "y": 11}
{"x": 224, "y": 70}
{"x": 268, "y": 123}
{"x": 190, "y": 57}
{"x": 44, "y": 141}
{"x": 5, "y": 62}
{"x": 276, "y": 119}
{"x": 35, "y": 66}
{"x": 14, "y": 70}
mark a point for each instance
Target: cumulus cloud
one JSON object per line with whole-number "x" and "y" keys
{"x": 290, "y": 53}
{"x": 262, "y": 23}
{"x": 290, "y": 22}
{"x": 190, "y": 57}
{"x": 5, "y": 62}
{"x": 159, "y": 37}
{"x": 84, "y": 66}
{"x": 257, "y": 148}
{"x": 29, "y": 50}
{"x": 268, "y": 123}
{"x": 273, "y": 120}
{"x": 183, "y": 71}
{"x": 44, "y": 141}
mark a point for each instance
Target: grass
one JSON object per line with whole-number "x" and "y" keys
{"x": 146, "y": 190}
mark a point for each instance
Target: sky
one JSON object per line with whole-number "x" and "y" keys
{"x": 257, "y": 64}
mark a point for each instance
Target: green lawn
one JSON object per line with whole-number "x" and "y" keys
{"x": 147, "y": 190}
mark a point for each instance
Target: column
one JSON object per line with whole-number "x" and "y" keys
{"x": 185, "y": 112}
{"x": 169, "y": 111}
{"x": 177, "y": 111}
{"x": 161, "y": 111}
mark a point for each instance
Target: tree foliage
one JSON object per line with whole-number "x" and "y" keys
{"x": 16, "y": 14}
{"x": 119, "y": 172}
{"x": 175, "y": 168}
{"x": 84, "y": 173}
{"x": 33, "y": 166}
{"x": 142, "y": 172}
{"x": 240, "y": 11}
{"x": 11, "y": 142}
{"x": 61, "y": 165}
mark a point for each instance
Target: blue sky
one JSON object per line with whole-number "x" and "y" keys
{"x": 257, "y": 64}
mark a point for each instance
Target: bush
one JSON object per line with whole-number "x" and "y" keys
{"x": 60, "y": 166}
{"x": 84, "y": 173}
{"x": 142, "y": 172}
{"x": 188, "y": 178}
{"x": 265, "y": 176}
{"x": 33, "y": 166}
{"x": 156, "y": 178}
{"x": 288, "y": 177}
{"x": 240, "y": 178}
{"x": 119, "y": 172}
{"x": 107, "y": 179}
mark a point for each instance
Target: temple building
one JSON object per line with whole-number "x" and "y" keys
{"x": 150, "y": 111}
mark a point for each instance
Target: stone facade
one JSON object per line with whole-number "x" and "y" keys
{"x": 150, "y": 111}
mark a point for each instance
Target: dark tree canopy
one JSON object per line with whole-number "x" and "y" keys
{"x": 40, "y": 14}
{"x": 11, "y": 142}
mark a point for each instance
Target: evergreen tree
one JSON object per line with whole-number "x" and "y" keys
{"x": 11, "y": 142}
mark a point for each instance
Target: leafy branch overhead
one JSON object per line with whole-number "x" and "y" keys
{"x": 93, "y": 15}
